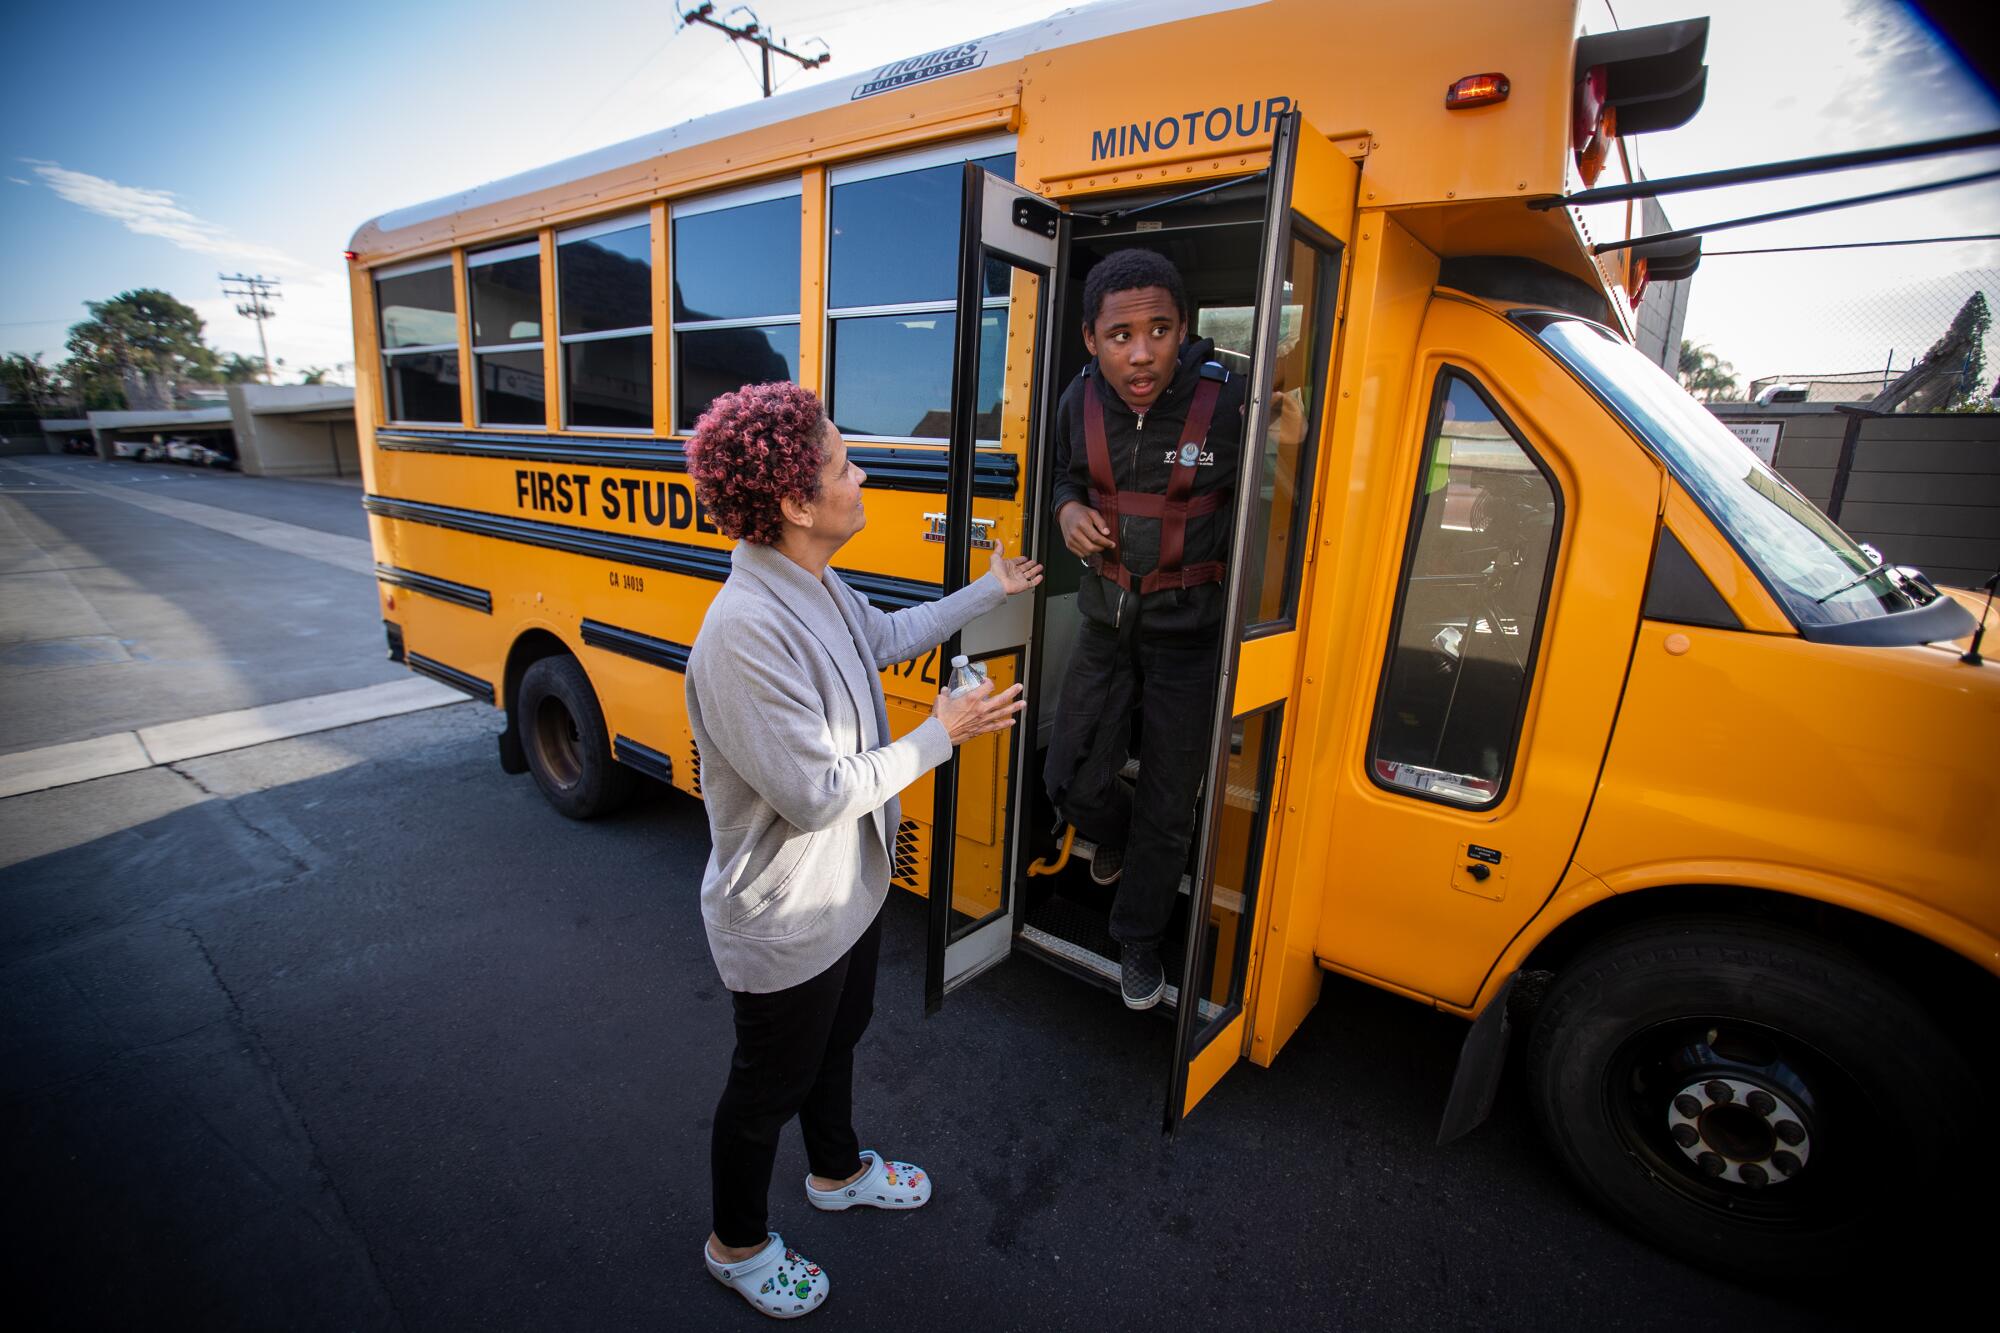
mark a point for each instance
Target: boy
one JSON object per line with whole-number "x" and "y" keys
{"x": 1146, "y": 450}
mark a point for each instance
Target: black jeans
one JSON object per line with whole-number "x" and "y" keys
{"x": 1170, "y": 683}
{"x": 794, "y": 1056}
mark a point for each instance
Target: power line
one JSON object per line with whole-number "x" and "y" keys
{"x": 255, "y": 289}
{"x": 753, "y": 32}
{"x": 1855, "y": 245}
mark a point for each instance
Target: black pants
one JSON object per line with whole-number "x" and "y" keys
{"x": 1170, "y": 684}
{"x": 794, "y": 1056}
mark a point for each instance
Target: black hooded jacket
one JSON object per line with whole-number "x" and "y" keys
{"x": 1142, "y": 457}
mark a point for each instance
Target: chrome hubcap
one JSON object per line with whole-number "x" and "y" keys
{"x": 1739, "y": 1131}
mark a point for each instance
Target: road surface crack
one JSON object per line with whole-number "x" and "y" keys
{"x": 297, "y": 866}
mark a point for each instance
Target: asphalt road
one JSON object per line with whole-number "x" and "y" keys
{"x": 352, "y": 1031}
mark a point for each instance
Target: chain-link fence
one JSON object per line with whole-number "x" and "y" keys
{"x": 1924, "y": 344}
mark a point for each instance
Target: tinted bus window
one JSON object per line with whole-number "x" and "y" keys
{"x": 505, "y": 288}
{"x": 417, "y": 315}
{"x": 604, "y": 298}
{"x": 893, "y": 242}
{"x": 736, "y": 295}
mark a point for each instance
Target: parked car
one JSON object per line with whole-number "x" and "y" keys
{"x": 139, "y": 451}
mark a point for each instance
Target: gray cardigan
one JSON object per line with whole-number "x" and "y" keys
{"x": 797, "y": 769}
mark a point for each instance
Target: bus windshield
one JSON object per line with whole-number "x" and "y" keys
{"x": 1822, "y": 575}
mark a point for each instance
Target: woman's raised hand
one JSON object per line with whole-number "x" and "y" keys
{"x": 1016, "y": 575}
{"x": 978, "y": 711}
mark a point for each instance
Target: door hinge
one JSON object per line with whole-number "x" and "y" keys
{"x": 1036, "y": 216}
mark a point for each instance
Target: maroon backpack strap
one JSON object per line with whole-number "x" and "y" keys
{"x": 1103, "y": 486}
{"x": 1180, "y": 482}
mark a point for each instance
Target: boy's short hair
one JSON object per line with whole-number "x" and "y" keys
{"x": 1130, "y": 270}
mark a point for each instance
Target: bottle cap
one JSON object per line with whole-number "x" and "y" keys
{"x": 958, "y": 661}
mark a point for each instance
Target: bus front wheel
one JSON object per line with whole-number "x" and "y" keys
{"x": 568, "y": 749}
{"x": 1753, "y": 1098}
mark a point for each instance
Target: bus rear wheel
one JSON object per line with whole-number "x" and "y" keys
{"x": 562, "y": 733}
{"x": 1752, "y": 1098}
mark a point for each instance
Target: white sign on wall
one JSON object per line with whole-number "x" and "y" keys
{"x": 1761, "y": 436}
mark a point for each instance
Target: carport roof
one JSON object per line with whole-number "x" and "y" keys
{"x": 207, "y": 416}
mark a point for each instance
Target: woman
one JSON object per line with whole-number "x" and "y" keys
{"x": 800, "y": 780}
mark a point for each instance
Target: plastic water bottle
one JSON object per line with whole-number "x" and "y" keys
{"x": 966, "y": 676}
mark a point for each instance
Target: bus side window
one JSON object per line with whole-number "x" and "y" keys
{"x": 604, "y": 303}
{"x": 417, "y": 315}
{"x": 736, "y": 294}
{"x": 505, "y": 286}
{"x": 1469, "y": 613}
{"x": 892, "y": 298}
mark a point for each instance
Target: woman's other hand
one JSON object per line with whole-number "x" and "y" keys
{"x": 978, "y": 712}
{"x": 1016, "y": 575}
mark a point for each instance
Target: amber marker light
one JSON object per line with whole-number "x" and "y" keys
{"x": 1477, "y": 90}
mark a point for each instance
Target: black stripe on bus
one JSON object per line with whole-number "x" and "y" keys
{"x": 889, "y": 467}
{"x": 660, "y": 652}
{"x": 701, "y": 562}
{"x": 463, "y": 594}
{"x": 452, "y": 676}
{"x": 643, "y": 758}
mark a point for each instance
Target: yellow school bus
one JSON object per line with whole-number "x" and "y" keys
{"x": 1542, "y": 701}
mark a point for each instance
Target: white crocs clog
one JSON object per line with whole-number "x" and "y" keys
{"x": 884, "y": 1184}
{"x": 777, "y": 1281}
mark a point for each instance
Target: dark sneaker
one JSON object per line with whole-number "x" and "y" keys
{"x": 1142, "y": 979}
{"x": 1106, "y": 864}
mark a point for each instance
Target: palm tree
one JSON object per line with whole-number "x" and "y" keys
{"x": 1704, "y": 373}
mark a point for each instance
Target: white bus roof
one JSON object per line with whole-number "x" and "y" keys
{"x": 1066, "y": 27}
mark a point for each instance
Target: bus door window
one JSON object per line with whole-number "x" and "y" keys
{"x": 506, "y": 297}
{"x": 892, "y": 298}
{"x": 1224, "y": 942}
{"x": 736, "y": 294}
{"x": 1278, "y": 516}
{"x": 1470, "y": 609}
{"x": 604, "y": 304}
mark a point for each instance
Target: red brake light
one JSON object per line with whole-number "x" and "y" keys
{"x": 1588, "y": 106}
{"x": 349, "y": 255}
{"x": 1590, "y": 158}
{"x": 1592, "y": 124}
{"x": 1477, "y": 90}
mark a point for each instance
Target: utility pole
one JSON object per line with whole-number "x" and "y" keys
{"x": 753, "y": 32}
{"x": 255, "y": 290}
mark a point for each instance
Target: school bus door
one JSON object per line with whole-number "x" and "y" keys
{"x": 1007, "y": 257}
{"x": 1308, "y": 223}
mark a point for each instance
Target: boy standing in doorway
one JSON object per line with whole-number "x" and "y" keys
{"x": 1146, "y": 459}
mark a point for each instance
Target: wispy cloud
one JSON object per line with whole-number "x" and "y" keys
{"x": 18, "y": 181}
{"x": 151, "y": 213}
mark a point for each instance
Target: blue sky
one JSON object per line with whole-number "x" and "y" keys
{"x": 144, "y": 148}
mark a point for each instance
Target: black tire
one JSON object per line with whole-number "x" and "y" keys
{"x": 1828, "y": 1116}
{"x": 563, "y": 735}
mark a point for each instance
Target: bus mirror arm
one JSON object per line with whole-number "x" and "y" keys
{"x": 1481, "y": 1060}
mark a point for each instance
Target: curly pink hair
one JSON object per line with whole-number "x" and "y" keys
{"x": 752, "y": 449}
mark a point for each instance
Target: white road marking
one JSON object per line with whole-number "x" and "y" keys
{"x": 170, "y": 742}
{"x": 350, "y": 553}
